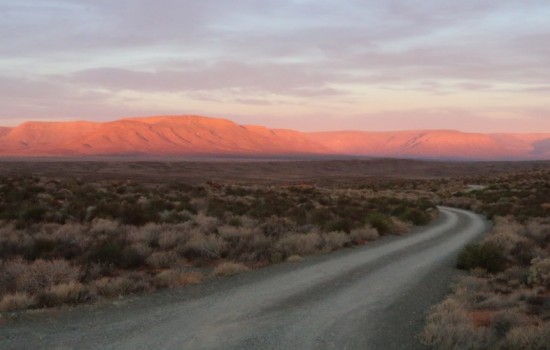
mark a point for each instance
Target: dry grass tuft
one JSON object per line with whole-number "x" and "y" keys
{"x": 294, "y": 258}
{"x": 17, "y": 301}
{"x": 229, "y": 268}
{"x": 192, "y": 277}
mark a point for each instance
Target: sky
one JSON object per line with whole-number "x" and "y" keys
{"x": 309, "y": 65}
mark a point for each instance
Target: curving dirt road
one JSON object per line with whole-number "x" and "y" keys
{"x": 372, "y": 297}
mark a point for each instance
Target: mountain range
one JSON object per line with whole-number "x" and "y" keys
{"x": 203, "y": 136}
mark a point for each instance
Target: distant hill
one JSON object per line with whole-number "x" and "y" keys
{"x": 202, "y": 136}
{"x": 437, "y": 144}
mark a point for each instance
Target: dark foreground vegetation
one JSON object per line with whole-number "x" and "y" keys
{"x": 68, "y": 241}
{"x": 504, "y": 302}
{"x": 78, "y": 232}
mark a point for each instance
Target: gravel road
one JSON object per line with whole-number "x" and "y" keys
{"x": 370, "y": 297}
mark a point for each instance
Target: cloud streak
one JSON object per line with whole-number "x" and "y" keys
{"x": 274, "y": 58}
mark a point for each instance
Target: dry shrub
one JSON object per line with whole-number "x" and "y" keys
{"x": 294, "y": 258}
{"x": 505, "y": 320}
{"x": 229, "y": 268}
{"x": 528, "y": 338}
{"x": 168, "y": 239}
{"x": 17, "y": 301}
{"x": 203, "y": 246}
{"x": 13, "y": 242}
{"x": 167, "y": 278}
{"x": 111, "y": 286}
{"x": 191, "y": 277}
{"x": 105, "y": 227}
{"x": 247, "y": 221}
{"x": 539, "y": 272}
{"x": 162, "y": 260}
{"x": 246, "y": 244}
{"x": 366, "y": 233}
{"x": 73, "y": 232}
{"x": 335, "y": 240}
{"x": 236, "y": 234}
{"x": 538, "y": 230}
{"x": 301, "y": 244}
{"x": 10, "y": 271}
{"x": 173, "y": 278}
{"x": 277, "y": 227}
{"x": 147, "y": 234}
{"x": 506, "y": 235}
{"x": 399, "y": 227}
{"x": 471, "y": 289}
{"x": 449, "y": 327}
{"x": 42, "y": 275}
{"x": 206, "y": 224}
{"x": 66, "y": 293}
{"x": 496, "y": 301}
{"x": 141, "y": 249}
{"x": 117, "y": 286}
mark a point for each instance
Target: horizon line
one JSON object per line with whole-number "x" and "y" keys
{"x": 115, "y": 119}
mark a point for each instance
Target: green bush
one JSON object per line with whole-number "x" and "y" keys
{"x": 380, "y": 222}
{"x": 415, "y": 216}
{"x": 485, "y": 256}
{"x": 106, "y": 253}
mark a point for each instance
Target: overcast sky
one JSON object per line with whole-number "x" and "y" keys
{"x": 480, "y": 65}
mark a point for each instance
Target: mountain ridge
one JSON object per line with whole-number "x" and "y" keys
{"x": 189, "y": 135}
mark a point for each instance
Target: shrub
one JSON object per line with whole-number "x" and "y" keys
{"x": 277, "y": 227}
{"x": 528, "y": 338}
{"x": 380, "y": 222}
{"x": 449, "y": 327}
{"x": 162, "y": 260}
{"x": 539, "y": 272}
{"x": 168, "y": 239}
{"x": 167, "y": 278}
{"x": 33, "y": 214}
{"x": 42, "y": 274}
{"x": 301, "y": 244}
{"x": 105, "y": 227}
{"x": 335, "y": 240}
{"x": 106, "y": 252}
{"x": 229, "y": 268}
{"x": 399, "y": 227}
{"x": 294, "y": 258}
{"x": 415, "y": 216}
{"x": 66, "y": 293}
{"x": 485, "y": 255}
{"x": 366, "y": 233}
{"x": 191, "y": 277}
{"x": 503, "y": 321}
{"x": 116, "y": 286}
{"x": 203, "y": 246}
{"x": 10, "y": 271}
{"x": 17, "y": 301}
{"x": 174, "y": 278}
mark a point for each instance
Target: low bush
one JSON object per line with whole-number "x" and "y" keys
{"x": 163, "y": 260}
{"x": 380, "y": 222}
{"x": 66, "y": 293}
{"x": 300, "y": 244}
{"x": 539, "y": 272}
{"x": 16, "y": 301}
{"x": 449, "y": 327}
{"x": 68, "y": 241}
{"x": 41, "y": 275}
{"x": 229, "y": 268}
{"x": 531, "y": 337}
{"x": 485, "y": 256}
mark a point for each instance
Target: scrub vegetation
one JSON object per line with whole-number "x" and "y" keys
{"x": 69, "y": 241}
{"x": 504, "y": 301}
